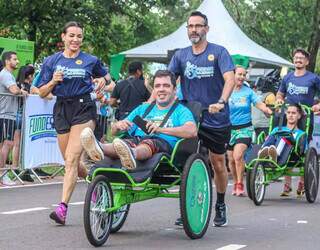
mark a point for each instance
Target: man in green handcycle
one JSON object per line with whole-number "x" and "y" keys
{"x": 278, "y": 145}
{"x": 160, "y": 126}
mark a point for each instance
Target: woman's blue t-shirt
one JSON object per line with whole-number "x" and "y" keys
{"x": 77, "y": 73}
{"x": 240, "y": 103}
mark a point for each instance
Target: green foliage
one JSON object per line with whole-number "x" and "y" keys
{"x": 110, "y": 26}
{"x": 277, "y": 25}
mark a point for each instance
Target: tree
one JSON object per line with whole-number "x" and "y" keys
{"x": 110, "y": 26}
{"x": 280, "y": 26}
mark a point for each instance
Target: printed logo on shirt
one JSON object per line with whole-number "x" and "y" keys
{"x": 210, "y": 57}
{"x": 79, "y": 62}
{"x": 238, "y": 101}
{"x": 297, "y": 90}
{"x": 193, "y": 71}
{"x": 70, "y": 73}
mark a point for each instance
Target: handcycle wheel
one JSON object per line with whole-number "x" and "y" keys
{"x": 195, "y": 196}
{"x": 257, "y": 184}
{"x": 97, "y": 222}
{"x": 119, "y": 218}
{"x": 311, "y": 175}
{"x": 248, "y": 177}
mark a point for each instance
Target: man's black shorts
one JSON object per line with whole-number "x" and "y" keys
{"x": 68, "y": 112}
{"x": 7, "y": 128}
{"x": 215, "y": 139}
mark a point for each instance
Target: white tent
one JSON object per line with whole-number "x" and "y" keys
{"x": 223, "y": 31}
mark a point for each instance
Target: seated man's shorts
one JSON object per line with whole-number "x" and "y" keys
{"x": 215, "y": 139}
{"x": 241, "y": 135}
{"x": 156, "y": 144}
{"x": 7, "y": 128}
{"x": 68, "y": 112}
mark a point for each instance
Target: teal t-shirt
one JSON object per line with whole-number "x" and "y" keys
{"x": 295, "y": 133}
{"x": 240, "y": 103}
{"x": 178, "y": 118}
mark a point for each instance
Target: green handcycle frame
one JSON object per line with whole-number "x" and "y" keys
{"x": 195, "y": 193}
{"x": 261, "y": 172}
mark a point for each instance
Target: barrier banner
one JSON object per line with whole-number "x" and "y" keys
{"x": 40, "y": 144}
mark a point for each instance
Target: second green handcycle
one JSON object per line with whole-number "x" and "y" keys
{"x": 302, "y": 161}
{"x": 112, "y": 189}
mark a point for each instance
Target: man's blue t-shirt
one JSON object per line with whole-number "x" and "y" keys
{"x": 240, "y": 105}
{"x": 178, "y": 118}
{"x": 77, "y": 73}
{"x": 300, "y": 89}
{"x": 202, "y": 79}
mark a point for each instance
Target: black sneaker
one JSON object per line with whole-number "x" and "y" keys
{"x": 178, "y": 222}
{"x": 41, "y": 173}
{"x": 220, "y": 219}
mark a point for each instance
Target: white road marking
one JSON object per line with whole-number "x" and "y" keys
{"x": 76, "y": 203}
{"x": 25, "y": 210}
{"x": 38, "y": 184}
{"x": 231, "y": 247}
{"x": 302, "y": 222}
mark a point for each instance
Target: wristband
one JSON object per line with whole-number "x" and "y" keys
{"x": 221, "y": 101}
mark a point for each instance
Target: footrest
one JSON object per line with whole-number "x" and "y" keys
{"x": 113, "y": 169}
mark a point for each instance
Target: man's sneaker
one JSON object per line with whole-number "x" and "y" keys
{"x": 300, "y": 189}
{"x": 90, "y": 145}
{"x": 273, "y": 153}
{"x": 234, "y": 189}
{"x": 59, "y": 214}
{"x": 263, "y": 153}
{"x": 6, "y": 181}
{"x": 286, "y": 190}
{"x": 125, "y": 154}
{"x": 220, "y": 218}
{"x": 240, "y": 189}
{"x": 179, "y": 222}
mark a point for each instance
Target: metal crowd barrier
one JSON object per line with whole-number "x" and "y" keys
{"x": 11, "y": 113}
{"x": 12, "y": 129}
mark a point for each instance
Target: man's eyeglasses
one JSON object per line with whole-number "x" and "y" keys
{"x": 196, "y": 26}
{"x": 299, "y": 58}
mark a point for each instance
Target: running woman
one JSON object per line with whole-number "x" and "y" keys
{"x": 72, "y": 75}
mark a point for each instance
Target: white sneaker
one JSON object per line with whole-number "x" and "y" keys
{"x": 125, "y": 154}
{"x": 263, "y": 153}
{"x": 273, "y": 153}
{"x": 7, "y": 181}
{"x": 90, "y": 145}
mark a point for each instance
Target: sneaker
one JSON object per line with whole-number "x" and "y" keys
{"x": 240, "y": 189}
{"x": 273, "y": 153}
{"x": 41, "y": 173}
{"x": 286, "y": 190}
{"x": 263, "y": 153}
{"x": 90, "y": 145}
{"x": 234, "y": 189}
{"x": 59, "y": 214}
{"x": 220, "y": 218}
{"x": 179, "y": 222}
{"x": 6, "y": 181}
{"x": 300, "y": 189}
{"x": 125, "y": 154}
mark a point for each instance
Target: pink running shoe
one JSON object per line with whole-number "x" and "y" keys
{"x": 240, "y": 189}
{"x": 234, "y": 189}
{"x": 59, "y": 214}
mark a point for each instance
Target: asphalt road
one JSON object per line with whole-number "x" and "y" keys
{"x": 279, "y": 223}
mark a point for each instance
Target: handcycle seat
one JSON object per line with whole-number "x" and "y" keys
{"x": 113, "y": 169}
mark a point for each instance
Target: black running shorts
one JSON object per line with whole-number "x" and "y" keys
{"x": 215, "y": 139}
{"x": 68, "y": 112}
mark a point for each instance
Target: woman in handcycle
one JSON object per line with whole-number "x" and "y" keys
{"x": 278, "y": 145}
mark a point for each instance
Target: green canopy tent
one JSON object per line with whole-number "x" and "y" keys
{"x": 223, "y": 31}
